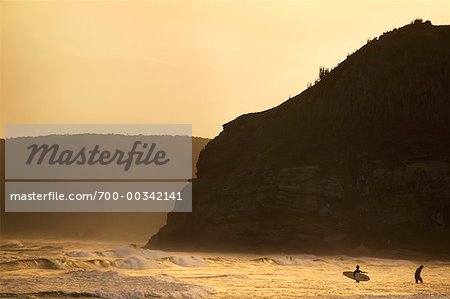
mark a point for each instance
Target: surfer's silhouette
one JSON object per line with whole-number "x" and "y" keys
{"x": 356, "y": 272}
{"x": 417, "y": 274}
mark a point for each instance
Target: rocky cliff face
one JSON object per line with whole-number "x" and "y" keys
{"x": 363, "y": 156}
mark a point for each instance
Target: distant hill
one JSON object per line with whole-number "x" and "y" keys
{"x": 361, "y": 157}
{"x": 131, "y": 226}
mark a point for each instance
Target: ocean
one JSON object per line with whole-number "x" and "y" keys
{"x": 91, "y": 269}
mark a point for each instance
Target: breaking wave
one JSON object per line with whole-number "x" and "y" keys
{"x": 188, "y": 261}
{"x": 103, "y": 284}
{"x": 37, "y": 263}
{"x": 137, "y": 262}
{"x": 289, "y": 261}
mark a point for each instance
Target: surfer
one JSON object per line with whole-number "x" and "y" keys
{"x": 417, "y": 274}
{"x": 356, "y": 272}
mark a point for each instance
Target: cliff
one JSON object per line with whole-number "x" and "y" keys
{"x": 361, "y": 157}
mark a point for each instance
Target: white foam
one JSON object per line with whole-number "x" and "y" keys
{"x": 290, "y": 261}
{"x": 137, "y": 262}
{"x": 188, "y": 261}
{"x": 126, "y": 251}
{"x": 80, "y": 253}
{"x": 105, "y": 284}
{"x": 193, "y": 292}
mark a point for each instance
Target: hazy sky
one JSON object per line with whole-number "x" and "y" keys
{"x": 203, "y": 63}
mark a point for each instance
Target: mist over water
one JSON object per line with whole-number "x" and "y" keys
{"x": 83, "y": 269}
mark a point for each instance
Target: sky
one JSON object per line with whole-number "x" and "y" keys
{"x": 177, "y": 62}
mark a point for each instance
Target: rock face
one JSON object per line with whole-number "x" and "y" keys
{"x": 363, "y": 156}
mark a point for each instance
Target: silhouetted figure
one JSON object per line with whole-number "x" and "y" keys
{"x": 357, "y": 271}
{"x": 417, "y": 274}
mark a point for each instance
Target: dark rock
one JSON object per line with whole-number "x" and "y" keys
{"x": 364, "y": 154}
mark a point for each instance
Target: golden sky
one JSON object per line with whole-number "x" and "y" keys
{"x": 203, "y": 63}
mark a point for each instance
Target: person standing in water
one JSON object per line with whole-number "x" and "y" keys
{"x": 417, "y": 274}
{"x": 356, "y": 272}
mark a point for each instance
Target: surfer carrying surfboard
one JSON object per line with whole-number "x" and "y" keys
{"x": 356, "y": 275}
{"x": 356, "y": 272}
{"x": 417, "y": 274}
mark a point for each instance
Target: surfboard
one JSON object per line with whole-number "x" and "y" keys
{"x": 359, "y": 276}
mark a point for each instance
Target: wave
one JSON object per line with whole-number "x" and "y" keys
{"x": 37, "y": 263}
{"x": 133, "y": 257}
{"x": 137, "y": 262}
{"x": 15, "y": 245}
{"x": 80, "y": 253}
{"x": 50, "y": 247}
{"x": 220, "y": 260}
{"x": 57, "y": 264}
{"x": 265, "y": 260}
{"x": 102, "y": 284}
{"x": 138, "y": 258}
{"x": 187, "y": 261}
{"x": 126, "y": 251}
{"x": 100, "y": 263}
{"x": 130, "y": 262}
{"x": 290, "y": 261}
